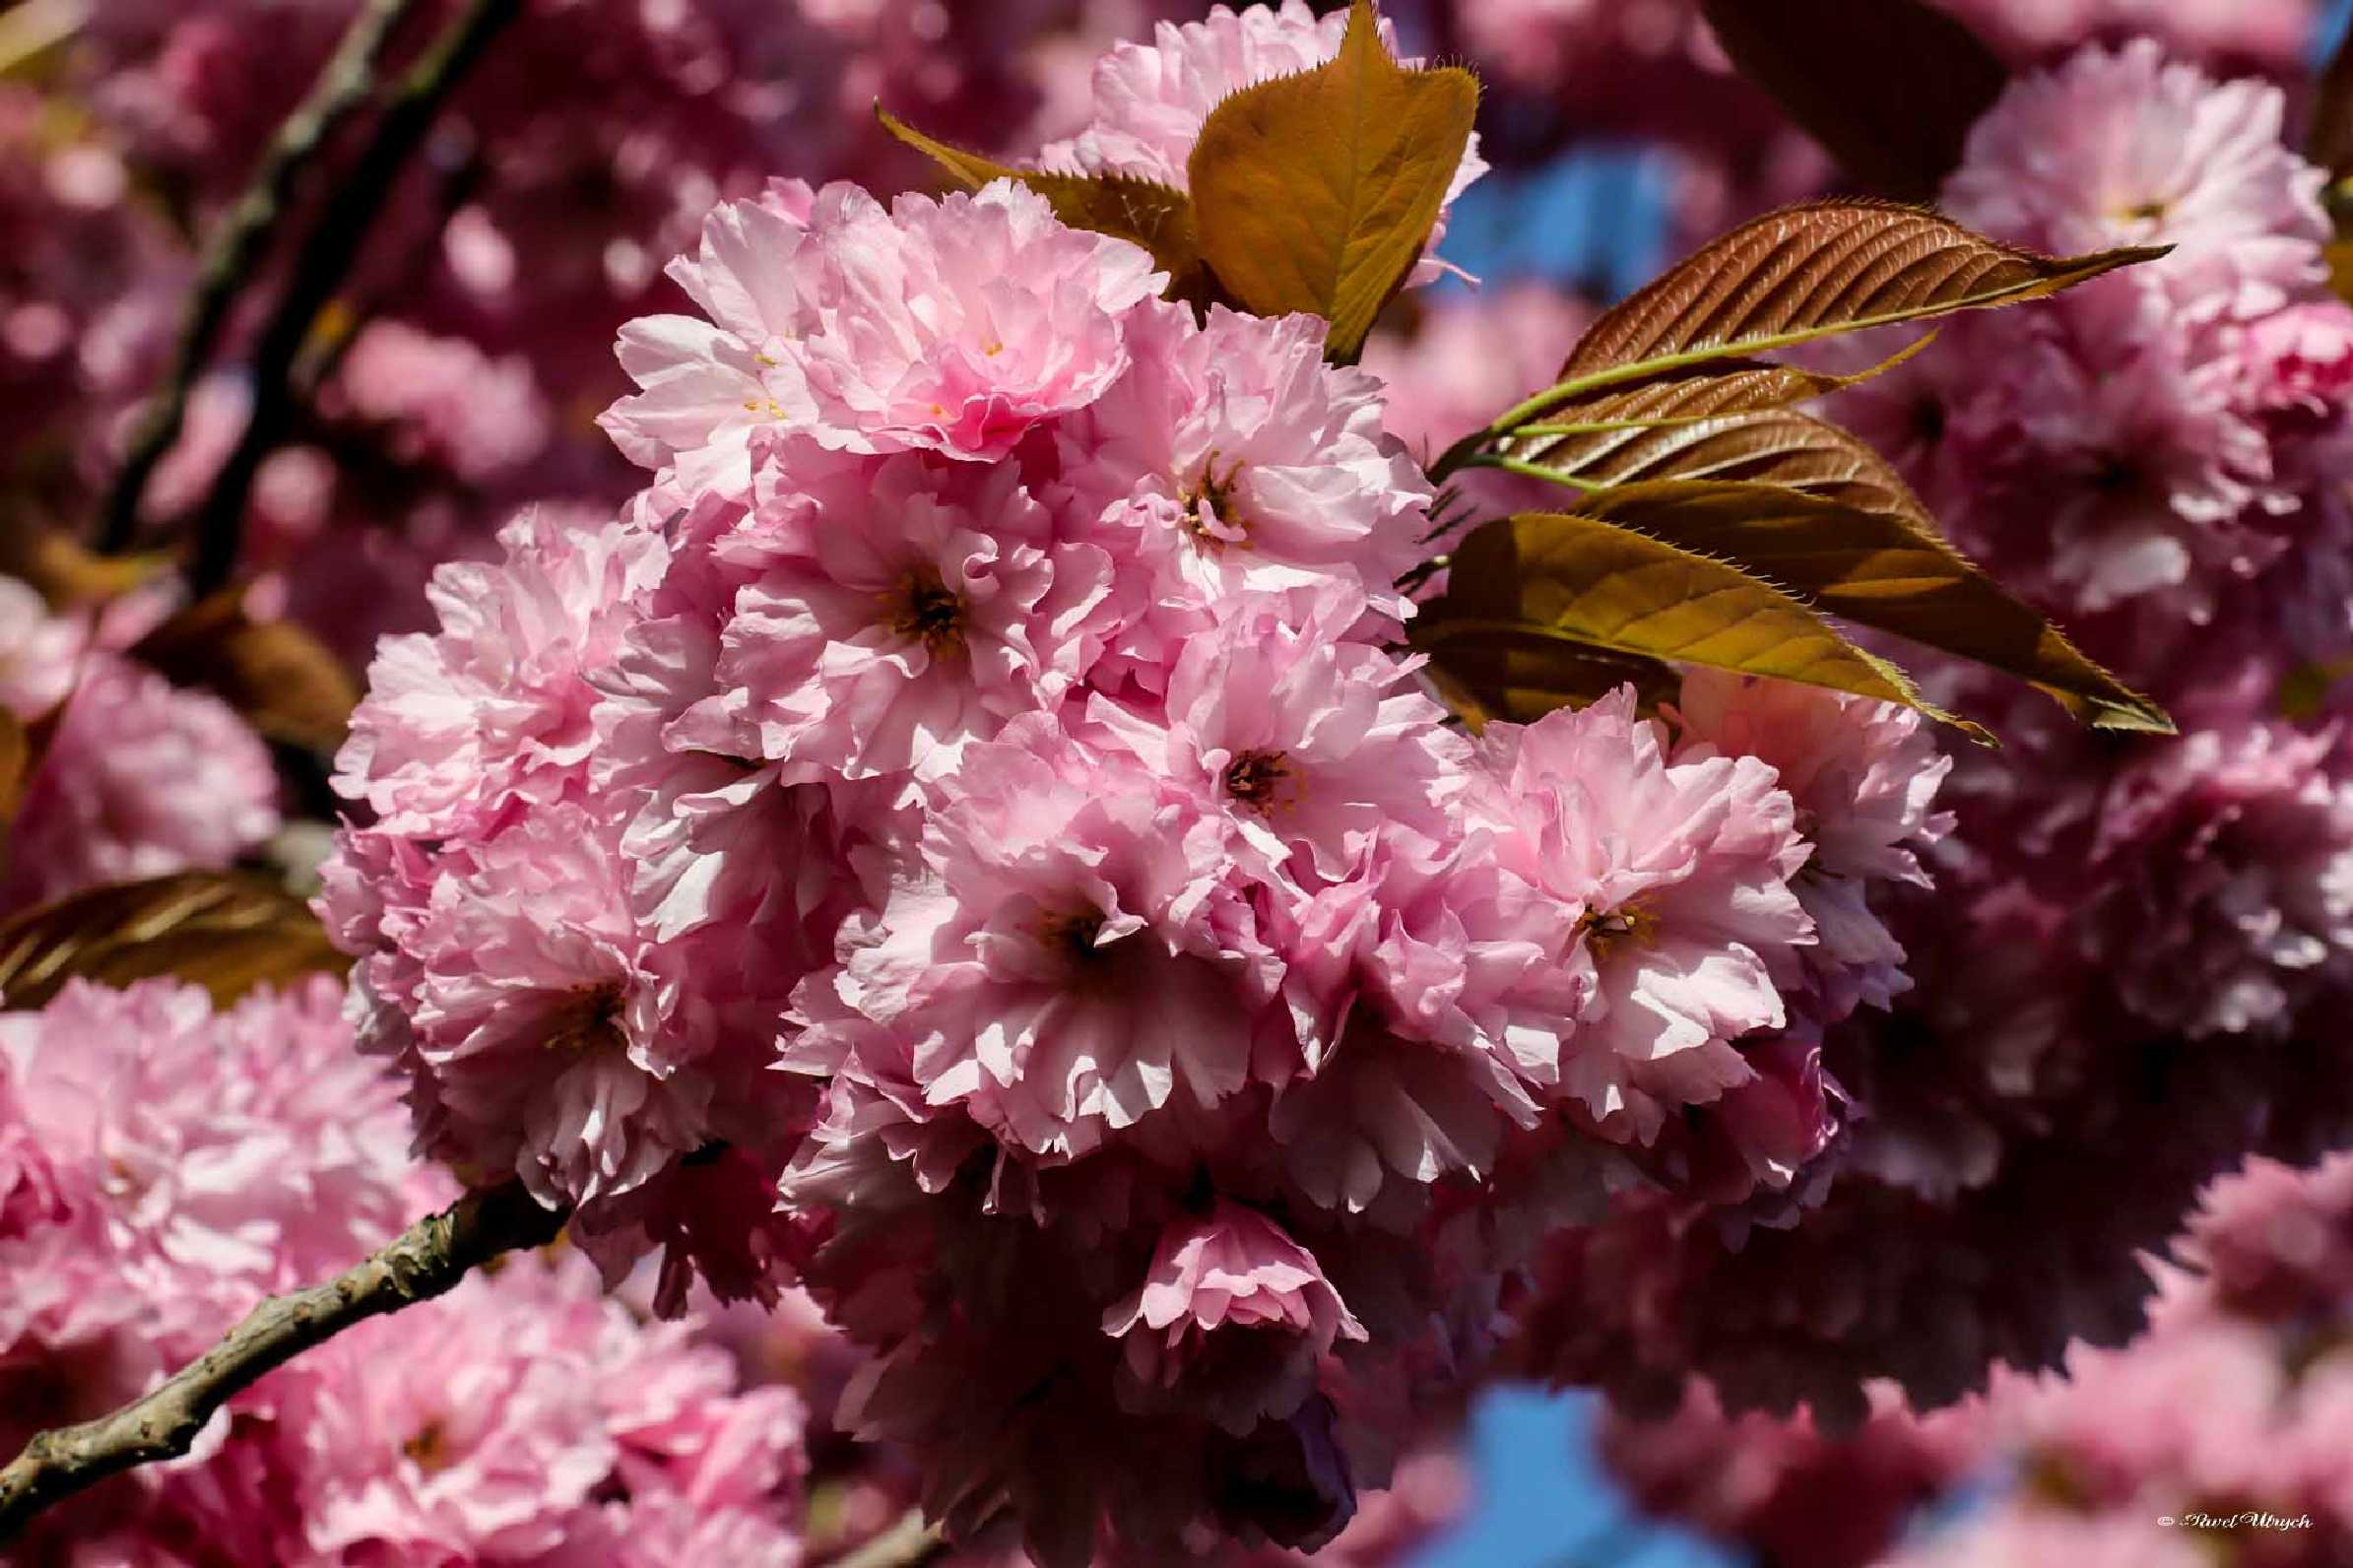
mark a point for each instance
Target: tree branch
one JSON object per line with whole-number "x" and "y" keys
{"x": 425, "y": 1261}
{"x": 461, "y": 175}
{"x": 235, "y": 247}
{"x": 319, "y": 268}
{"x": 908, "y": 1542}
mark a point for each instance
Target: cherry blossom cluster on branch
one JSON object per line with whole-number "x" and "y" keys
{"x": 163, "y": 1168}
{"x": 967, "y": 853}
{"x": 972, "y": 800}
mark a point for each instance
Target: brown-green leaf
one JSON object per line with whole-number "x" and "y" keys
{"x": 226, "y": 931}
{"x": 1520, "y": 676}
{"x": 1858, "y": 552}
{"x": 2338, "y": 254}
{"x": 65, "y": 572}
{"x": 15, "y": 767}
{"x": 1888, "y": 87}
{"x": 1719, "y": 387}
{"x": 23, "y": 745}
{"x": 1806, "y": 273}
{"x": 283, "y": 680}
{"x": 1722, "y": 422}
{"x": 1585, "y": 581}
{"x": 1317, "y": 192}
{"x": 1155, "y": 217}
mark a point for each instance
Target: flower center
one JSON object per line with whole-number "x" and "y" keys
{"x": 1211, "y": 514}
{"x": 1076, "y": 935}
{"x": 925, "y": 611}
{"x": 1253, "y": 778}
{"x": 2152, "y": 211}
{"x": 589, "y": 1018}
{"x": 1608, "y": 930}
{"x": 428, "y": 1448}
{"x": 2117, "y": 474}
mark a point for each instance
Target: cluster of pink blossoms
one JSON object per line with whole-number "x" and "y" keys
{"x": 2238, "y": 1405}
{"x": 163, "y": 1168}
{"x": 136, "y": 777}
{"x": 1794, "y": 1495}
{"x": 965, "y": 837}
{"x": 2133, "y": 972}
{"x": 2234, "y": 1406}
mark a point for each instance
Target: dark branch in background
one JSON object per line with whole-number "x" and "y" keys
{"x": 457, "y": 159}
{"x": 235, "y": 248}
{"x": 318, "y": 270}
{"x": 425, "y": 1261}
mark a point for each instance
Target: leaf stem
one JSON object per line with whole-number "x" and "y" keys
{"x": 234, "y": 249}
{"x": 425, "y": 1261}
{"x": 1551, "y": 476}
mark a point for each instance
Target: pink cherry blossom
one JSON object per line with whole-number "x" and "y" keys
{"x": 1864, "y": 777}
{"x": 2123, "y": 148}
{"x": 1678, "y": 874}
{"x": 2301, "y": 356}
{"x": 521, "y": 1416}
{"x": 948, "y": 326}
{"x": 140, "y": 778}
{"x": 1309, "y": 743}
{"x": 448, "y": 403}
{"x": 1151, "y": 98}
{"x": 1234, "y": 1301}
{"x": 194, "y": 1162}
{"x": 29, "y": 1194}
{"x": 176, "y": 1110}
{"x": 2233, "y": 900}
{"x": 898, "y": 610}
{"x": 495, "y": 704}
{"x": 2276, "y": 1242}
{"x": 163, "y": 1167}
{"x": 712, "y": 835}
{"x": 453, "y": 1432}
{"x": 1784, "y": 1489}
{"x": 1066, "y": 962}
{"x": 2270, "y": 33}
{"x": 1232, "y": 459}
{"x": 544, "y": 1035}
{"x": 1425, "y": 1006}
